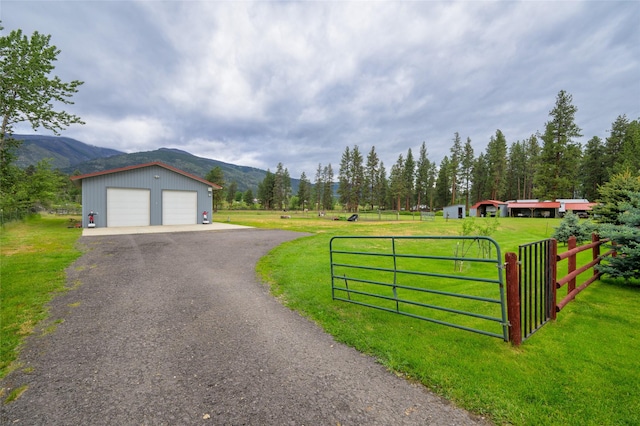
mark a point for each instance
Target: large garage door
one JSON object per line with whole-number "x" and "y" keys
{"x": 179, "y": 207}
{"x": 128, "y": 207}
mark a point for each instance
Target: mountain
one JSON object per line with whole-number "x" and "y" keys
{"x": 63, "y": 152}
{"x": 245, "y": 177}
{"x": 71, "y": 156}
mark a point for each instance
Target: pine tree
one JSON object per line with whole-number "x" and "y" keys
{"x": 496, "y": 156}
{"x": 327, "y": 190}
{"x": 454, "y": 166}
{"x": 422, "y": 176}
{"x": 304, "y": 191}
{"x": 397, "y": 183}
{"x": 615, "y": 196}
{"x": 593, "y": 172}
{"x": 408, "y": 176}
{"x": 467, "y": 170}
{"x": 371, "y": 178}
{"x": 614, "y": 145}
{"x": 480, "y": 187}
{"x": 265, "y": 191}
{"x": 626, "y": 237}
{"x": 383, "y": 187}
{"x": 443, "y": 183}
{"x": 216, "y": 175}
{"x": 559, "y": 160}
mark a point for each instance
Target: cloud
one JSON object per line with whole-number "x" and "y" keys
{"x": 258, "y": 83}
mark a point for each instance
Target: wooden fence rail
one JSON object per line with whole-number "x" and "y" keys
{"x": 515, "y": 292}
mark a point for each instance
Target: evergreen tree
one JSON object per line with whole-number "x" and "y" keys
{"x": 281, "y": 188}
{"x": 497, "y": 164}
{"x": 467, "y": 170}
{"x": 382, "y": 187}
{"x": 327, "y": 192}
{"x": 304, "y": 191}
{"x": 454, "y": 166}
{"x": 371, "y": 194}
{"x": 631, "y": 147}
{"x": 431, "y": 184}
{"x": 422, "y": 176}
{"x": 516, "y": 165}
{"x": 626, "y": 237}
{"x": 408, "y": 176}
{"x": 344, "y": 179}
{"x": 443, "y": 183}
{"x": 265, "y": 191}
{"x": 248, "y": 197}
{"x": 318, "y": 188}
{"x": 571, "y": 226}
{"x": 615, "y": 196}
{"x": 481, "y": 175}
{"x": 614, "y": 145}
{"x": 396, "y": 183}
{"x": 532, "y": 152}
{"x": 231, "y": 193}
{"x": 560, "y": 156}
{"x": 593, "y": 172}
{"x": 216, "y": 175}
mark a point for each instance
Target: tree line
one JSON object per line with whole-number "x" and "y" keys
{"x": 547, "y": 166}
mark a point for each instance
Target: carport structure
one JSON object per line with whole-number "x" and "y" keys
{"x": 147, "y": 194}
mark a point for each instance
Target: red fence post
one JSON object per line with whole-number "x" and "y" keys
{"x": 553, "y": 266}
{"x": 571, "y": 260}
{"x": 595, "y": 250}
{"x": 513, "y": 298}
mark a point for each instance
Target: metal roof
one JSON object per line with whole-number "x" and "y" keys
{"x": 495, "y": 203}
{"x": 534, "y": 205}
{"x": 140, "y": 166}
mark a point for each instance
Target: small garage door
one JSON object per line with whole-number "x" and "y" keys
{"x": 179, "y": 207}
{"x": 128, "y": 207}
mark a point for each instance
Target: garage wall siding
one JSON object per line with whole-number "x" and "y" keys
{"x": 94, "y": 191}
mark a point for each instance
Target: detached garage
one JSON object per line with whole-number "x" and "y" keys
{"x": 144, "y": 195}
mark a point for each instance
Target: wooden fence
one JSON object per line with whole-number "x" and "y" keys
{"x": 517, "y": 294}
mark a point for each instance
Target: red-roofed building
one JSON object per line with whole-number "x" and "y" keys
{"x": 557, "y": 208}
{"x": 488, "y": 208}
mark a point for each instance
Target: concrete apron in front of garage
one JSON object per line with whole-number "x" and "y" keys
{"x": 124, "y": 230}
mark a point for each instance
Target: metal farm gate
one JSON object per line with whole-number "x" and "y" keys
{"x": 535, "y": 273}
{"x": 452, "y": 281}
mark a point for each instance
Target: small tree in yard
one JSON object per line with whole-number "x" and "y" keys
{"x": 571, "y": 226}
{"x": 625, "y": 238}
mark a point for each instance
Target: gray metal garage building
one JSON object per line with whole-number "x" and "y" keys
{"x": 144, "y": 195}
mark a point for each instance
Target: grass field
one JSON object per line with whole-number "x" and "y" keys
{"x": 582, "y": 369}
{"x": 34, "y": 254}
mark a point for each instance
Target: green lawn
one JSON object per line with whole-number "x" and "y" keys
{"x": 34, "y": 254}
{"x": 582, "y": 369}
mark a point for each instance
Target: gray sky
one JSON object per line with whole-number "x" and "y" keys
{"x": 257, "y": 83}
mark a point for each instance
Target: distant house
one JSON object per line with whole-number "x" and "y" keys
{"x": 455, "y": 211}
{"x": 145, "y": 194}
{"x": 488, "y": 208}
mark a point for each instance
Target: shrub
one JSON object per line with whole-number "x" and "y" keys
{"x": 571, "y": 226}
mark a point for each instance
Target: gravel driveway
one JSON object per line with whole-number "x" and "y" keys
{"x": 175, "y": 329}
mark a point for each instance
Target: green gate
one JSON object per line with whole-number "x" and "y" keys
{"x": 453, "y": 281}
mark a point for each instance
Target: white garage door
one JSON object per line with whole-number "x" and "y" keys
{"x": 179, "y": 207}
{"x": 128, "y": 207}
